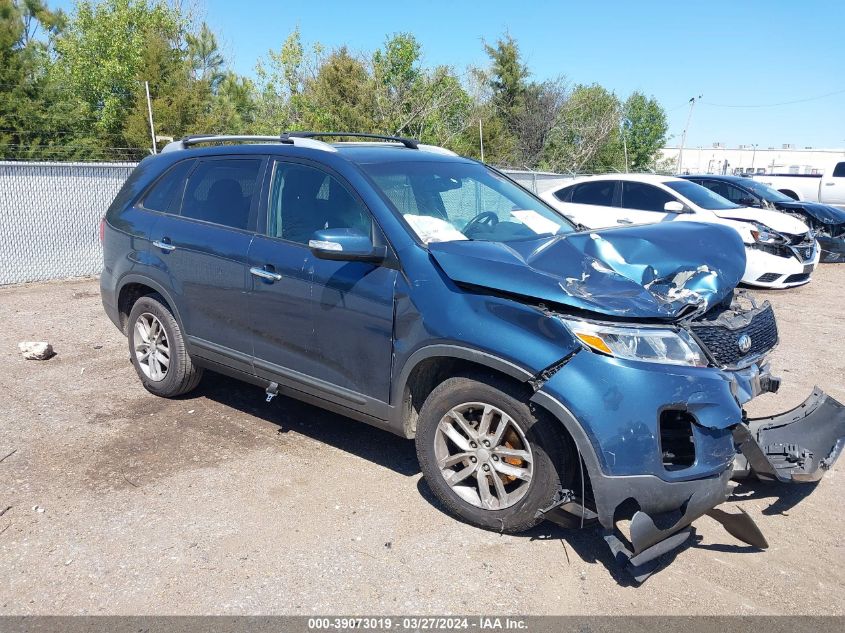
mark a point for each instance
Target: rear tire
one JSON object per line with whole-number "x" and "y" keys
{"x": 532, "y": 444}
{"x": 157, "y": 349}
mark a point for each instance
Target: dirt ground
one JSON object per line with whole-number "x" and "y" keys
{"x": 122, "y": 503}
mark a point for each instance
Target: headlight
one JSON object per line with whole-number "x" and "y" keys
{"x": 652, "y": 344}
{"x": 766, "y": 235}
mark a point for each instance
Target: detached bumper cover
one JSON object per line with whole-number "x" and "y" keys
{"x": 832, "y": 248}
{"x": 796, "y": 446}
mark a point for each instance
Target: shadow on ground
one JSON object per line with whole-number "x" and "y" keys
{"x": 364, "y": 441}
{"x": 398, "y": 454}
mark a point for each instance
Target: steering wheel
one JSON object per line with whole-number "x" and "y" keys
{"x": 485, "y": 219}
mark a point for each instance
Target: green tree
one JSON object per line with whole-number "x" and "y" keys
{"x": 102, "y": 51}
{"x": 339, "y": 98}
{"x": 29, "y": 123}
{"x": 508, "y": 77}
{"x": 644, "y": 126}
{"x": 585, "y": 136}
{"x": 207, "y": 62}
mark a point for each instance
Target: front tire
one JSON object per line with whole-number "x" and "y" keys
{"x": 487, "y": 456}
{"x": 157, "y": 349}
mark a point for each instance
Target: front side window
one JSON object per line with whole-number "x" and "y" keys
{"x": 839, "y": 170}
{"x": 645, "y": 197}
{"x": 765, "y": 191}
{"x": 221, "y": 191}
{"x": 701, "y": 196}
{"x": 305, "y": 199}
{"x": 166, "y": 194}
{"x": 598, "y": 192}
{"x": 447, "y": 201}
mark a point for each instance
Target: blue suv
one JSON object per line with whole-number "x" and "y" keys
{"x": 543, "y": 372}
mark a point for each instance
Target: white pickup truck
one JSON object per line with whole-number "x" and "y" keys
{"x": 827, "y": 187}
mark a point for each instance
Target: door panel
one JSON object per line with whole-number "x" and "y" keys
{"x": 203, "y": 253}
{"x": 642, "y": 203}
{"x": 323, "y": 326}
{"x": 593, "y": 204}
{"x": 833, "y": 186}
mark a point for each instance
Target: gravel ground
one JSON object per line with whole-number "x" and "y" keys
{"x": 123, "y": 503}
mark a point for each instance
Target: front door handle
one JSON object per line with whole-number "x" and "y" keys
{"x": 829, "y": 184}
{"x": 624, "y": 221}
{"x": 164, "y": 244}
{"x": 263, "y": 273}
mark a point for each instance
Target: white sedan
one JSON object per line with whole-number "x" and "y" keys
{"x": 781, "y": 250}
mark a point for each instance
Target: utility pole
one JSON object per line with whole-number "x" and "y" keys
{"x": 624, "y": 143}
{"x": 481, "y": 139}
{"x": 753, "y": 154}
{"x": 150, "y": 112}
{"x": 684, "y": 135}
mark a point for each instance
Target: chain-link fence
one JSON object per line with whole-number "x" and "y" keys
{"x": 50, "y": 218}
{"x": 51, "y": 214}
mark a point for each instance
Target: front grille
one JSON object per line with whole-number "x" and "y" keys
{"x": 677, "y": 445}
{"x": 768, "y": 278}
{"x": 724, "y": 345}
{"x": 797, "y": 278}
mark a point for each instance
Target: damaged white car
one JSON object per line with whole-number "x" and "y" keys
{"x": 781, "y": 251}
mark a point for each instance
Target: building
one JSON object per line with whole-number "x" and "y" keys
{"x": 745, "y": 159}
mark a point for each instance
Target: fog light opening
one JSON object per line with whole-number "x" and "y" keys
{"x": 677, "y": 443}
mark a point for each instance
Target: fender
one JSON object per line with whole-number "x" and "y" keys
{"x": 134, "y": 278}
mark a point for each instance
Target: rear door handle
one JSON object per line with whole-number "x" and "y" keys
{"x": 265, "y": 274}
{"x": 624, "y": 221}
{"x": 829, "y": 184}
{"x": 164, "y": 244}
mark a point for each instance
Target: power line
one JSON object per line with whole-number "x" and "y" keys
{"x": 772, "y": 105}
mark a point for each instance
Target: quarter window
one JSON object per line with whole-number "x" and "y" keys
{"x": 304, "y": 200}
{"x": 221, "y": 191}
{"x": 166, "y": 194}
{"x": 639, "y": 195}
{"x": 839, "y": 170}
{"x": 599, "y": 192}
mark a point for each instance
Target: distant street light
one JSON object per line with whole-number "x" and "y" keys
{"x": 753, "y": 154}
{"x": 684, "y": 135}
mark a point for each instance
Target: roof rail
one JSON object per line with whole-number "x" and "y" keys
{"x": 197, "y": 139}
{"x": 410, "y": 143}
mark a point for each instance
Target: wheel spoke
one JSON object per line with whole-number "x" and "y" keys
{"x": 142, "y": 354}
{"x": 142, "y": 329}
{"x": 455, "y": 477}
{"x": 501, "y": 493}
{"x": 462, "y": 422}
{"x": 487, "y": 498}
{"x": 451, "y": 460}
{"x": 504, "y": 451}
{"x": 513, "y": 471}
{"x": 164, "y": 361}
{"x": 452, "y": 433}
{"x": 486, "y": 419}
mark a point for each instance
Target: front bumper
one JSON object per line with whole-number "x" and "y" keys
{"x": 766, "y": 270}
{"x": 613, "y": 408}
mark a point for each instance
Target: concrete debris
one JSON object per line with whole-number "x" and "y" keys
{"x": 36, "y": 350}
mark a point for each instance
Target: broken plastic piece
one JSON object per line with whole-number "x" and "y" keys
{"x": 272, "y": 391}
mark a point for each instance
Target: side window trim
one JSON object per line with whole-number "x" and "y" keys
{"x": 254, "y": 203}
{"x": 175, "y": 206}
{"x": 263, "y": 229}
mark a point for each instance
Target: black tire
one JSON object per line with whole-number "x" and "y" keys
{"x": 182, "y": 376}
{"x": 553, "y": 461}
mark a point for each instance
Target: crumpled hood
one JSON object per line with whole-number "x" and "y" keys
{"x": 776, "y": 220}
{"x": 656, "y": 271}
{"x": 822, "y": 212}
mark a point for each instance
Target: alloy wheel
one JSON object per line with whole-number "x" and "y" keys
{"x": 483, "y": 456}
{"x": 152, "y": 349}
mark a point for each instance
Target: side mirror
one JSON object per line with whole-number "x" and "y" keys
{"x": 345, "y": 245}
{"x": 673, "y": 206}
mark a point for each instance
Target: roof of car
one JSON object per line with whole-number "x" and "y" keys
{"x": 724, "y": 177}
{"x": 652, "y": 178}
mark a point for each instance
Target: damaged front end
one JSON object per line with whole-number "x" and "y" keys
{"x": 670, "y": 439}
{"x": 660, "y": 355}
{"x": 826, "y": 222}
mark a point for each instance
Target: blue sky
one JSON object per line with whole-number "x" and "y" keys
{"x": 738, "y": 53}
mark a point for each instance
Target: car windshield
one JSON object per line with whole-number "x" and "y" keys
{"x": 447, "y": 201}
{"x": 701, "y": 196}
{"x": 765, "y": 191}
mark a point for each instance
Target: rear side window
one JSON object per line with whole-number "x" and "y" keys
{"x": 839, "y": 170}
{"x": 221, "y": 191}
{"x": 166, "y": 193}
{"x": 644, "y": 197}
{"x": 565, "y": 194}
{"x": 599, "y": 192}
